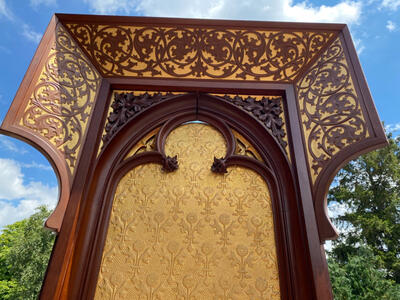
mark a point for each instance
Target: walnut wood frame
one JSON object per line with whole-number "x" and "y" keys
{"x": 301, "y": 216}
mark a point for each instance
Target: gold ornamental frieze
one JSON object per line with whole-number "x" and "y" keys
{"x": 206, "y": 53}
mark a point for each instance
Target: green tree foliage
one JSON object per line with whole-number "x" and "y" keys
{"x": 368, "y": 250}
{"x": 361, "y": 278}
{"x": 25, "y": 249}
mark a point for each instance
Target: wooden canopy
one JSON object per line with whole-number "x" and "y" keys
{"x": 322, "y": 116}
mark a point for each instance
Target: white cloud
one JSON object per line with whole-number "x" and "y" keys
{"x": 4, "y": 11}
{"x": 358, "y": 44}
{"x": 112, "y": 6}
{"x": 36, "y": 3}
{"x": 274, "y": 10}
{"x": 391, "y": 26}
{"x": 392, "y": 127}
{"x": 7, "y": 144}
{"x": 35, "y": 165}
{"x": 18, "y": 199}
{"x": 30, "y": 34}
{"x": 391, "y": 4}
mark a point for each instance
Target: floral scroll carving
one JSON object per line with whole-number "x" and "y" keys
{"x": 125, "y": 107}
{"x": 236, "y": 54}
{"x": 268, "y": 111}
{"x": 330, "y": 109}
{"x": 62, "y": 99}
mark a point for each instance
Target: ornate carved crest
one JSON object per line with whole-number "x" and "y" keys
{"x": 125, "y": 106}
{"x": 267, "y": 110}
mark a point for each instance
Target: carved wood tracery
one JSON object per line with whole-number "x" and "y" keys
{"x": 159, "y": 51}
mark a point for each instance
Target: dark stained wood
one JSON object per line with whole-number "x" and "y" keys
{"x": 63, "y": 249}
{"x": 74, "y": 18}
{"x": 317, "y": 258}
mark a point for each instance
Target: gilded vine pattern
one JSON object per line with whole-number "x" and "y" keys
{"x": 185, "y": 52}
{"x": 211, "y": 240}
{"x": 330, "y": 109}
{"x": 63, "y": 97}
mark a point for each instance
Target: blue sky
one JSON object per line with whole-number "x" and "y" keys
{"x": 26, "y": 178}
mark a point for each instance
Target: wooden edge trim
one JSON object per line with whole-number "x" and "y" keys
{"x": 126, "y": 20}
{"x": 326, "y": 229}
{"x": 320, "y": 274}
{"x": 361, "y": 82}
{"x": 199, "y": 85}
{"x": 58, "y": 164}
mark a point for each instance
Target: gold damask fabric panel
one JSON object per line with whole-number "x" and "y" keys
{"x": 63, "y": 98}
{"x": 191, "y": 52}
{"x": 190, "y": 234}
{"x": 331, "y": 113}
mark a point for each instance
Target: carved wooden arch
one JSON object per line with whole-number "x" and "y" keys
{"x": 172, "y": 113}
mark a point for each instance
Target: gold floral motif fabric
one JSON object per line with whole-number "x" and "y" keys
{"x": 190, "y": 234}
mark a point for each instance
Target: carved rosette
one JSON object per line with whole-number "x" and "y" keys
{"x": 239, "y": 54}
{"x": 331, "y": 114}
{"x": 62, "y": 99}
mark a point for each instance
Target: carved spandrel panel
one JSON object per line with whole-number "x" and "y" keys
{"x": 63, "y": 98}
{"x": 147, "y": 143}
{"x": 331, "y": 113}
{"x": 190, "y": 234}
{"x": 268, "y": 111}
{"x": 124, "y": 105}
{"x": 244, "y": 147}
{"x": 210, "y": 53}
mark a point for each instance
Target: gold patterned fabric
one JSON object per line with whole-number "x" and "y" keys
{"x": 190, "y": 234}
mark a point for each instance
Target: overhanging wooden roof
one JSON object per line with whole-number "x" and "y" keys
{"x": 313, "y": 66}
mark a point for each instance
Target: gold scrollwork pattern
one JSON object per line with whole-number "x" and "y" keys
{"x": 190, "y": 234}
{"x": 243, "y": 147}
{"x": 63, "y": 98}
{"x": 210, "y": 53}
{"x": 331, "y": 114}
{"x": 148, "y": 143}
